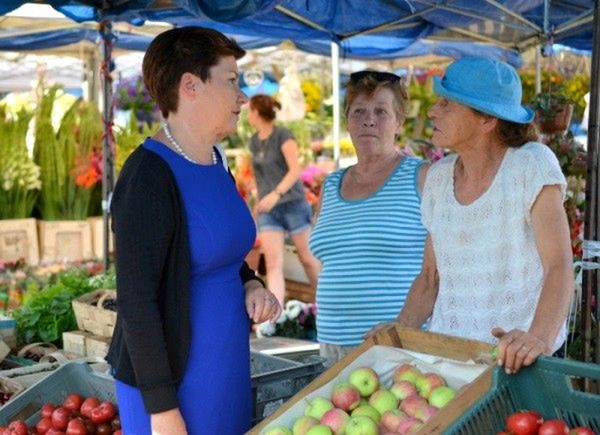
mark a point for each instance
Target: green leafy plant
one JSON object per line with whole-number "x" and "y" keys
{"x": 545, "y": 103}
{"x": 46, "y": 313}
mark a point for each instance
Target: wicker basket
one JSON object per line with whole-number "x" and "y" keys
{"x": 11, "y": 387}
{"x": 91, "y": 316}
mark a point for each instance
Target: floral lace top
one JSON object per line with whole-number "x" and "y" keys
{"x": 489, "y": 267}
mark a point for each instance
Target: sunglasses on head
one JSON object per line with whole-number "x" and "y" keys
{"x": 380, "y": 76}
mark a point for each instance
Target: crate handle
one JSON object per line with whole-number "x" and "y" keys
{"x": 569, "y": 367}
{"x": 47, "y": 348}
{"x": 102, "y": 298}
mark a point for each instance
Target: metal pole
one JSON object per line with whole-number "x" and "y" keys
{"x": 591, "y": 225}
{"x": 335, "y": 80}
{"x": 108, "y": 143}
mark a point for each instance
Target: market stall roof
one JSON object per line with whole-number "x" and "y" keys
{"x": 510, "y": 24}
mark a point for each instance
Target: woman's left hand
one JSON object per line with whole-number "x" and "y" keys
{"x": 261, "y": 304}
{"x": 266, "y": 204}
{"x": 518, "y": 348}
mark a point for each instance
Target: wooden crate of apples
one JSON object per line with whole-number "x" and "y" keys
{"x": 391, "y": 388}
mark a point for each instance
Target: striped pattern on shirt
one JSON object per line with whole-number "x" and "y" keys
{"x": 371, "y": 250}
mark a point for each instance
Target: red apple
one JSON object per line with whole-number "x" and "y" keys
{"x": 336, "y": 419}
{"x": 345, "y": 396}
{"x": 390, "y": 420}
{"x": 409, "y": 425}
{"x": 412, "y": 404}
{"x": 403, "y": 389}
{"x": 424, "y": 413}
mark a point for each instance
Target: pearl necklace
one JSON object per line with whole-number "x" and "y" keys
{"x": 180, "y": 150}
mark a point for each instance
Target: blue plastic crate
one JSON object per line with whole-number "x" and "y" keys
{"x": 73, "y": 377}
{"x": 275, "y": 380}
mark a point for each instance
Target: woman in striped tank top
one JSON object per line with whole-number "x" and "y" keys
{"x": 368, "y": 235}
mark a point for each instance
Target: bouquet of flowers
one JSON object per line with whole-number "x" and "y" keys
{"x": 131, "y": 94}
{"x": 19, "y": 175}
{"x": 298, "y": 320}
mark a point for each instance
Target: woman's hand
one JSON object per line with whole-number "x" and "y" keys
{"x": 168, "y": 423}
{"x": 261, "y": 304}
{"x": 266, "y": 204}
{"x": 518, "y": 348}
{"x": 380, "y": 327}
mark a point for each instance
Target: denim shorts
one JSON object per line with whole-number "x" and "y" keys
{"x": 292, "y": 216}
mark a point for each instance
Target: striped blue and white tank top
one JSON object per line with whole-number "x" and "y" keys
{"x": 370, "y": 250}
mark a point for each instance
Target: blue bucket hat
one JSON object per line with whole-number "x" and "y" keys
{"x": 490, "y": 86}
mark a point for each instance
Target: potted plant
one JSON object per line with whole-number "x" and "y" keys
{"x": 553, "y": 110}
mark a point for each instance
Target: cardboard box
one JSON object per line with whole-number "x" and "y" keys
{"x": 97, "y": 229}
{"x": 65, "y": 240}
{"x": 19, "y": 239}
{"x": 74, "y": 341}
{"x": 96, "y": 346}
{"x": 453, "y": 348}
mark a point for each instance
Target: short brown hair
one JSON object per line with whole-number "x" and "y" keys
{"x": 189, "y": 49}
{"x": 368, "y": 83}
{"x": 512, "y": 134}
{"x": 265, "y": 105}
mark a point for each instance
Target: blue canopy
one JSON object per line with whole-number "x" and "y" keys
{"x": 311, "y": 24}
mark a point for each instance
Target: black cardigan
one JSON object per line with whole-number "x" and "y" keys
{"x": 150, "y": 343}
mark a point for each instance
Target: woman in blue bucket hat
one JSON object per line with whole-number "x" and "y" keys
{"x": 497, "y": 263}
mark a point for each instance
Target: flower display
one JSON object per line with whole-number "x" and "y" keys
{"x": 131, "y": 94}
{"x": 19, "y": 175}
{"x": 70, "y": 159}
{"x": 297, "y": 320}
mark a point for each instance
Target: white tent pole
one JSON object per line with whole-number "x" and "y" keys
{"x": 335, "y": 79}
{"x": 538, "y": 70}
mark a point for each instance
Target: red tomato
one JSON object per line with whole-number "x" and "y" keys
{"x": 47, "y": 409}
{"x": 76, "y": 427}
{"x": 18, "y": 427}
{"x": 73, "y": 402}
{"x": 581, "y": 431}
{"x": 523, "y": 423}
{"x": 554, "y": 427}
{"x": 103, "y": 413}
{"x": 118, "y": 432}
{"x": 87, "y": 406}
{"x": 53, "y": 431}
{"x": 60, "y": 418}
{"x": 43, "y": 425}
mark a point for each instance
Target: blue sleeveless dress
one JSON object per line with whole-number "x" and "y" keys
{"x": 215, "y": 393}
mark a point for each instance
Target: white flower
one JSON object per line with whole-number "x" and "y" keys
{"x": 293, "y": 308}
{"x": 265, "y": 329}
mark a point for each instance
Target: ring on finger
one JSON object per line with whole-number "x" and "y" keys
{"x": 524, "y": 349}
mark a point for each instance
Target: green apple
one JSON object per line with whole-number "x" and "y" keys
{"x": 317, "y": 407}
{"x": 303, "y": 424}
{"x": 426, "y": 383}
{"x": 319, "y": 429}
{"x": 407, "y": 372}
{"x": 361, "y": 425}
{"x": 440, "y": 396}
{"x": 367, "y": 410}
{"x": 383, "y": 400}
{"x": 278, "y": 430}
{"x": 365, "y": 379}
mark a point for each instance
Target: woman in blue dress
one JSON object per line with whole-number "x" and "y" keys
{"x": 180, "y": 349}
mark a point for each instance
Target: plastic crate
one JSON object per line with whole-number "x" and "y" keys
{"x": 72, "y": 377}
{"x": 274, "y": 380}
{"x": 546, "y": 386}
